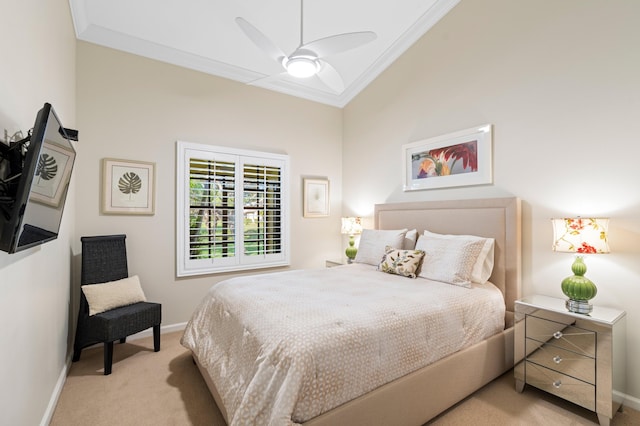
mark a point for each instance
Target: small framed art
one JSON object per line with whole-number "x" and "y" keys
{"x": 128, "y": 187}
{"x": 456, "y": 159}
{"x": 316, "y": 198}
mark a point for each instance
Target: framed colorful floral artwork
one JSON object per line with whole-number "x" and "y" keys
{"x": 457, "y": 159}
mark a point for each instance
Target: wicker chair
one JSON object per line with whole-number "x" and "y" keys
{"x": 104, "y": 259}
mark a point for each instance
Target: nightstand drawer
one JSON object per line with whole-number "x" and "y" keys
{"x": 568, "y": 337}
{"x": 565, "y": 387}
{"x": 563, "y": 361}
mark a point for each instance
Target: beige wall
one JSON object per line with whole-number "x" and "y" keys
{"x": 38, "y": 54}
{"x": 135, "y": 108}
{"x": 560, "y": 82}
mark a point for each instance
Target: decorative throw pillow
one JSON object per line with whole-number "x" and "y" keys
{"x": 113, "y": 294}
{"x": 373, "y": 242}
{"x": 483, "y": 266}
{"x": 449, "y": 260}
{"x": 401, "y": 262}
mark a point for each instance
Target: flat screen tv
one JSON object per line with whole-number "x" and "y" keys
{"x": 34, "y": 179}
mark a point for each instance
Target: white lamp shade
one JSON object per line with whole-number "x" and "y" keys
{"x": 351, "y": 225}
{"x": 581, "y": 235}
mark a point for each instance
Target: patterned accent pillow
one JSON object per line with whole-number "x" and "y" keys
{"x": 401, "y": 262}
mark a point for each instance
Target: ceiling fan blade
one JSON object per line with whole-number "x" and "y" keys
{"x": 339, "y": 43}
{"x": 260, "y": 40}
{"x": 330, "y": 77}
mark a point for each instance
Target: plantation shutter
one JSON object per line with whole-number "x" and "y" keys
{"x": 262, "y": 204}
{"x": 211, "y": 209}
{"x": 231, "y": 210}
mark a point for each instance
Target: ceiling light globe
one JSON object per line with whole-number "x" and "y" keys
{"x": 301, "y": 67}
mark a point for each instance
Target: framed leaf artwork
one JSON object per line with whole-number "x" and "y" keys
{"x": 128, "y": 187}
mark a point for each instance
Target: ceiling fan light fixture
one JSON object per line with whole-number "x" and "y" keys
{"x": 301, "y": 66}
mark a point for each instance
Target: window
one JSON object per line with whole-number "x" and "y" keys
{"x": 232, "y": 209}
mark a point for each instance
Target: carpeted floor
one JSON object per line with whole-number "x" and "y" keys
{"x": 165, "y": 388}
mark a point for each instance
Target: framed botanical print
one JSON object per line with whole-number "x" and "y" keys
{"x": 316, "y": 198}
{"x": 128, "y": 187}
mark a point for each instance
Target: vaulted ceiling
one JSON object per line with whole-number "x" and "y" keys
{"x": 203, "y": 35}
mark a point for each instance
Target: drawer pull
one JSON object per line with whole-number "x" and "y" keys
{"x": 557, "y": 334}
{"x": 557, "y": 359}
{"x": 557, "y": 384}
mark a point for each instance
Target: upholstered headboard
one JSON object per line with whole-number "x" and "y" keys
{"x": 497, "y": 218}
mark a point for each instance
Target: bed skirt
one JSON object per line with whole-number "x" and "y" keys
{"x": 416, "y": 398}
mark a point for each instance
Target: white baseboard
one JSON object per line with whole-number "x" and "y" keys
{"x": 62, "y": 378}
{"x": 57, "y": 390}
{"x": 631, "y": 402}
{"x": 163, "y": 329}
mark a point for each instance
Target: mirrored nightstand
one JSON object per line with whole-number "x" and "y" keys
{"x": 580, "y": 358}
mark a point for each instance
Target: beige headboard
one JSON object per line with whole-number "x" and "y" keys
{"x": 498, "y": 218}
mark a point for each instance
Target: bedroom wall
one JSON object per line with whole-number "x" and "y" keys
{"x": 559, "y": 82}
{"x": 38, "y": 44}
{"x": 135, "y": 108}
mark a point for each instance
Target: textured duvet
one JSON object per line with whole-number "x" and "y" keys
{"x": 285, "y": 347}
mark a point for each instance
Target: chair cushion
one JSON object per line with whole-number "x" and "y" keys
{"x": 120, "y": 322}
{"x": 105, "y": 296}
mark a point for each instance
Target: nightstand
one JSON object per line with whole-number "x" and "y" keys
{"x": 332, "y": 263}
{"x": 580, "y": 358}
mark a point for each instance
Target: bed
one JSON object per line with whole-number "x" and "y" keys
{"x": 390, "y": 388}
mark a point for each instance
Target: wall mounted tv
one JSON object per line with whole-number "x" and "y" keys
{"x": 34, "y": 179}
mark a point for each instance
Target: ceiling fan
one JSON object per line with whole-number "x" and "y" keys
{"x": 308, "y": 58}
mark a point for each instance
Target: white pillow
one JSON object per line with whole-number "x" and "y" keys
{"x": 483, "y": 267}
{"x": 374, "y": 241}
{"x": 113, "y": 294}
{"x": 410, "y": 239}
{"x": 453, "y": 258}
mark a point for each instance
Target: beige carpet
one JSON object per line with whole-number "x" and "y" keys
{"x": 165, "y": 388}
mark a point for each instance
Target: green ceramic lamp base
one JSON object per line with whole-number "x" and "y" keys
{"x": 351, "y": 251}
{"x": 579, "y": 289}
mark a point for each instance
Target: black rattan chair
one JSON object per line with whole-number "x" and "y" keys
{"x": 104, "y": 259}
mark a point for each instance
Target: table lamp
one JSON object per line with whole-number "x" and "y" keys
{"x": 351, "y": 226}
{"x": 580, "y": 236}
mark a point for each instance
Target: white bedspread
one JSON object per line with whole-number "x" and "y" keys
{"x": 285, "y": 347}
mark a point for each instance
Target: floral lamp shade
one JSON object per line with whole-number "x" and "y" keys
{"x": 351, "y": 226}
{"x": 580, "y": 236}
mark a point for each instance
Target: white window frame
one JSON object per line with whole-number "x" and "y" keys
{"x": 189, "y": 267}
